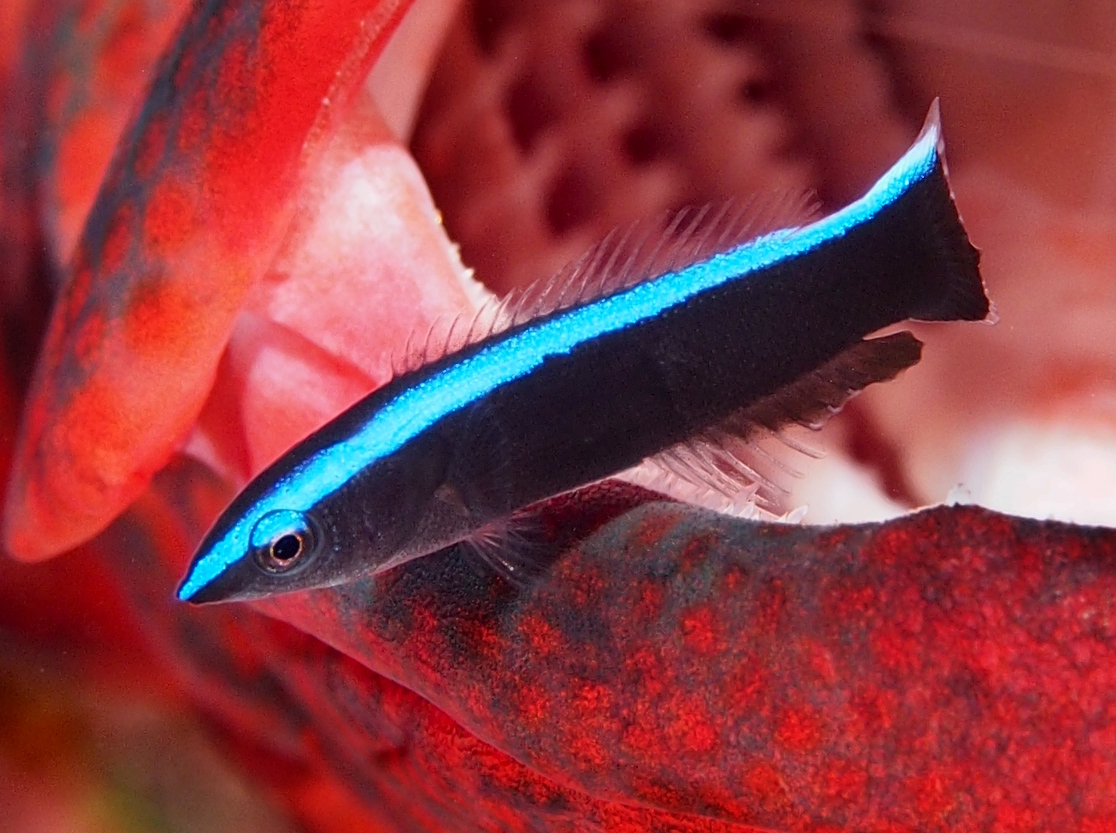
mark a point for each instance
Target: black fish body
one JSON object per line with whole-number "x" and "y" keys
{"x": 733, "y": 333}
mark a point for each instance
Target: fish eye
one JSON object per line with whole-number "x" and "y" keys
{"x": 282, "y": 540}
{"x": 286, "y": 548}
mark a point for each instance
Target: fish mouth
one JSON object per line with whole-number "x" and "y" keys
{"x": 230, "y": 586}
{"x": 220, "y": 588}
{"x": 206, "y": 594}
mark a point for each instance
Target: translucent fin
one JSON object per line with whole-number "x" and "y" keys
{"x": 650, "y": 248}
{"x": 731, "y": 457}
{"x": 445, "y": 336}
{"x": 651, "y": 474}
{"x": 732, "y": 466}
{"x": 627, "y": 256}
{"x": 512, "y": 548}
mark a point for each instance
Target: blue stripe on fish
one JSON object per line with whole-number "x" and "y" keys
{"x": 478, "y": 374}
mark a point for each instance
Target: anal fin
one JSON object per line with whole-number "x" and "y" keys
{"x": 732, "y": 459}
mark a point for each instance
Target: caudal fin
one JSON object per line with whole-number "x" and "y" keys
{"x": 953, "y": 289}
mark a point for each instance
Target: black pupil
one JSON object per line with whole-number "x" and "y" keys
{"x": 287, "y": 547}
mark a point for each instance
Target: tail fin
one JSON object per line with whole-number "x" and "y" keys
{"x": 953, "y": 289}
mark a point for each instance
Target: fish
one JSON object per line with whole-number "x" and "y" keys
{"x": 716, "y": 325}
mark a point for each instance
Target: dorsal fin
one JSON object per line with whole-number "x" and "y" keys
{"x": 649, "y": 248}
{"x": 446, "y": 335}
{"x": 629, "y": 255}
{"x": 730, "y": 457}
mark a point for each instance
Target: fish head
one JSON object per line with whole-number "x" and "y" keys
{"x": 310, "y": 521}
{"x": 262, "y": 554}
{"x": 260, "y": 546}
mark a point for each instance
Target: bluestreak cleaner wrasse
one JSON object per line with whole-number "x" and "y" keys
{"x": 714, "y": 324}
